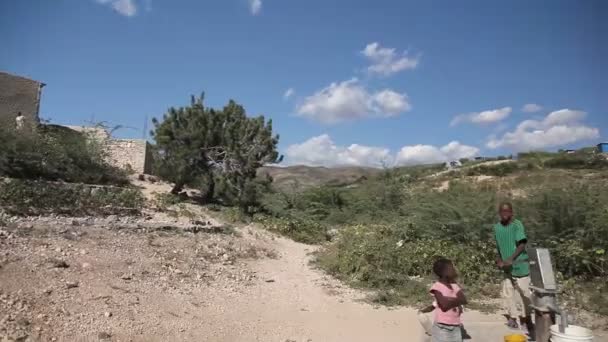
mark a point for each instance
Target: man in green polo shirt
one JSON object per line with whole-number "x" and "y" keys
{"x": 512, "y": 258}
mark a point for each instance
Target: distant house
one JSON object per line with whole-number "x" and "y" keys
{"x": 19, "y": 94}
{"x": 570, "y": 151}
{"x": 602, "y": 147}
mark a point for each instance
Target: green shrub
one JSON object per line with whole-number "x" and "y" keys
{"x": 577, "y": 160}
{"x": 298, "y": 229}
{"x": 498, "y": 170}
{"x": 165, "y": 200}
{"x": 35, "y": 197}
{"x": 378, "y": 257}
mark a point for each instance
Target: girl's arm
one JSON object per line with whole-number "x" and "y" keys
{"x": 448, "y": 303}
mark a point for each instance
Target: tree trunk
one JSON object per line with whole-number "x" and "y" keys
{"x": 208, "y": 195}
{"x": 179, "y": 186}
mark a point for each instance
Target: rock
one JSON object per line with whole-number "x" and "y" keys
{"x": 104, "y": 336}
{"x": 270, "y": 280}
{"x": 58, "y": 250}
{"x": 23, "y": 322}
{"x": 83, "y": 252}
{"x": 57, "y": 263}
{"x": 86, "y": 265}
{"x": 125, "y": 277}
{"x": 71, "y": 284}
{"x": 107, "y": 314}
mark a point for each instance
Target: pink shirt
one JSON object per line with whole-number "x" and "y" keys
{"x": 452, "y": 316}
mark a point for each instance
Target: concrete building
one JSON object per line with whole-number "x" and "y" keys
{"x": 19, "y": 94}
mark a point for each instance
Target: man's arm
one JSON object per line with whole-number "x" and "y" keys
{"x": 521, "y": 247}
{"x": 522, "y": 240}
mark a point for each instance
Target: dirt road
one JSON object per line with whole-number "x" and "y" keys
{"x": 303, "y": 304}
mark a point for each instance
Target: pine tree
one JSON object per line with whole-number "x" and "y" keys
{"x": 200, "y": 145}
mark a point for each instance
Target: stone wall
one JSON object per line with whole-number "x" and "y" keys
{"x": 133, "y": 154}
{"x": 127, "y": 154}
{"x": 19, "y": 94}
{"x": 98, "y": 133}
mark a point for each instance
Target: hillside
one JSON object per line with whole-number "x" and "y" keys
{"x": 301, "y": 177}
{"x": 385, "y": 233}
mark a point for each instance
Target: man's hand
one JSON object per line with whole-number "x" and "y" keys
{"x": 504, "y": 264}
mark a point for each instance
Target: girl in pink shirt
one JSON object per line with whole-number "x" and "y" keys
{"x": 450, "y": 299}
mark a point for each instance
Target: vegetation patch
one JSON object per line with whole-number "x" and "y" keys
{"x": 386, "y": 232}
{"x": 55, "y": 153}
{"x": 25, "y": 197}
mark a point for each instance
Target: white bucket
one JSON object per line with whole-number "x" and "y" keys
{"x": 573, "y": 333}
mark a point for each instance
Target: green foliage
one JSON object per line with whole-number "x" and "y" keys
{"x": 54, "y": 153}
{"x": 572, "y": 219}
{"x": 299, "y": 229}
{"x": 391, "y": 227}
{"x": 166, "y": 200}
{"x": 35, "y": 197}
{"x": 586, "y": 158}
{"x": 389, "y": 257}
{"x": 219, "y": 150}
{"x": 579, "y": 160}
{"x": 499, "y": 170}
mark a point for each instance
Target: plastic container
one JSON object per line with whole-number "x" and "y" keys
{"x": 573, "y": 333}
{"x": 516, "y": 338}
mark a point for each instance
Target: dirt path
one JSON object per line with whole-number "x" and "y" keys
{"x": 302, "y": 304}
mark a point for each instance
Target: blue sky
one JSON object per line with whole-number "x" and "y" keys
{"x": 388, "y": 81}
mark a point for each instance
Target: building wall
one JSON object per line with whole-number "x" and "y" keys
{"x": 98, "y": 133}
{"x": 19, "y": 94}
{"x": 130, "y": 153}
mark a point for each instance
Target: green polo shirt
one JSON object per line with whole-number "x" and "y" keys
{"x": 507, "y": 238}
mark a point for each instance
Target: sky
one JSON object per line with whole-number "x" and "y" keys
{"x": 346, "y": 82}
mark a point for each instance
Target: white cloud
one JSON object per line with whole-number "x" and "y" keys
{"x": 255, "y": 6}
{"x": 483, "y": 118}
{"x": 531, "y": 108}
{"x": 322, "y": 151}
{"x": 289, "y": 93}
{"x": 349, "y": 100}
{"x": 123, "y": 7}
{"x": 559, "y": 128}
{"x": 386, "y": 61}
{"x": 428, "y": 154}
